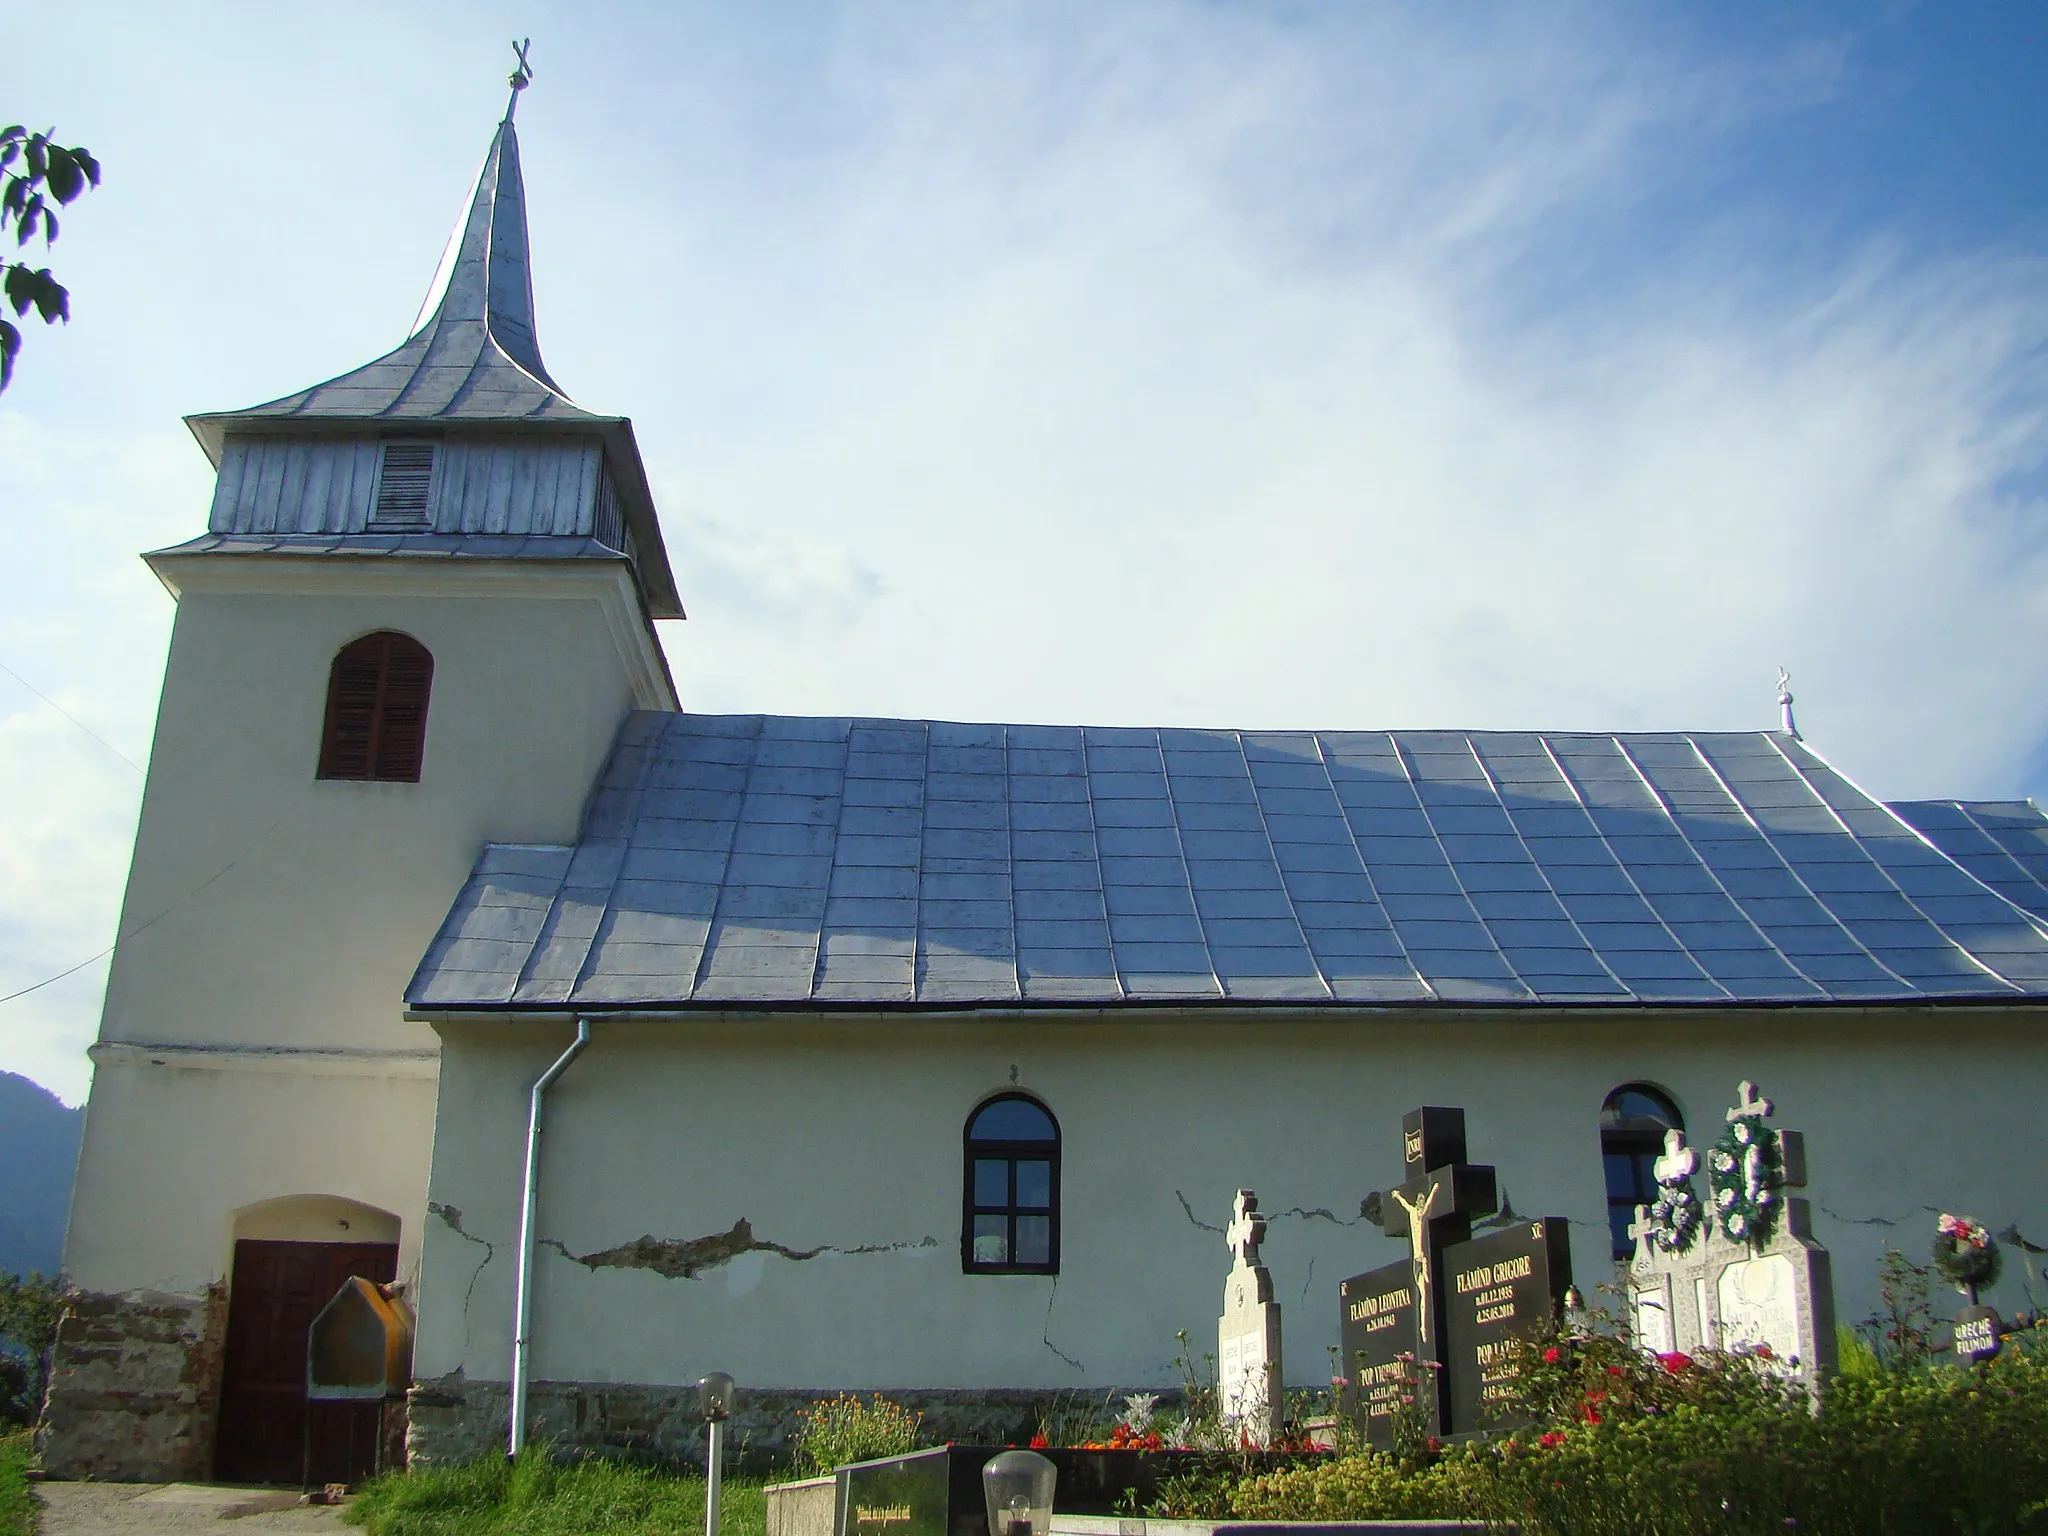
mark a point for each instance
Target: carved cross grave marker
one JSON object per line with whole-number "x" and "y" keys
{"x": 1391, "y": 1324}
{"x": 1248, "y": 1367}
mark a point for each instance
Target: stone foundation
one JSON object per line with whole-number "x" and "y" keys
{"x": 134, "y": 1387}
{"x": 453, "y": 1419}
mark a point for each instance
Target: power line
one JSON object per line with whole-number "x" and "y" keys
{"x": 95, "y": 735}
{"x": 152, "y": 922}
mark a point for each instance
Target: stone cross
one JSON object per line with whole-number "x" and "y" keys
{"x": 1748, "y": 1102}
{"x": 1246, "y": 1231}
{"x": 1678, "y": 1162}
{"x": 1248, "y": 1363}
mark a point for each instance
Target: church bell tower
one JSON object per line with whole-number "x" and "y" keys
{"x": 423, "y": 602}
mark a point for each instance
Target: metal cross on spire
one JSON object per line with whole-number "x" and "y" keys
{"x": 521, "y": 76}
{"x": 1785, "y": 704}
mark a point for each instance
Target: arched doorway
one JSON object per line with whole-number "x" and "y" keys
{"x": 290, "y": 1256}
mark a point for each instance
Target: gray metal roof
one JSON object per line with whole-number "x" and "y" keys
{"x": 2004, "y": 843}
{"x": 474, "y": 354}
{"x": 472, "y": 360}
{"x": 774, "y": 861}
{"x": 475, "y": 546}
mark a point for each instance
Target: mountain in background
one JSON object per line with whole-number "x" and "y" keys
{"x": 38, "y": 1155}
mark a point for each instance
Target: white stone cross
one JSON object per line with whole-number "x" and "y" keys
{"x": 1679, "y": 1161}
{"x": 1750, "y": 1103}
{"x": 1246, "y": 1231}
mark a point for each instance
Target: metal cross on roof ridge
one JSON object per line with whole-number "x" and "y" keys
{"x": 1246, "y": 1231}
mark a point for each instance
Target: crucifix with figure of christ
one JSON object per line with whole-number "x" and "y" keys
{"x": 1393, "y": 1318}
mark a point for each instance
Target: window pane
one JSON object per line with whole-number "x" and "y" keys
{"x": 1619, "y": 1219}
{"x": 1621, "y": 1175}
{"x": 1012, "y": 1120}
{"x": 991, "y": 1181}
{"x": 991, "y": 1240}
{"x": 1034, "y": 1239}
{"x": 1034, "y": 1184}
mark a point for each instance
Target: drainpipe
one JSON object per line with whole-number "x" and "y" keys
{"x": 522, "y": 1306}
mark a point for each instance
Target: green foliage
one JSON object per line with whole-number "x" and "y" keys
{"x": 29, "y": 1309}
{"x": 835, "y": 1431}
{"x": 1630, "y": 1443}
{"x": 39, "y": 172}
{"x": 1855, "y": 1359}
{"x": 539, "y": 1497}
{"x": 1901, "y": 1330}
{"x": 17, "y": 1499}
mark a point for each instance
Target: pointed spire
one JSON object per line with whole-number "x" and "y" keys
{"x": 483, "y": 279}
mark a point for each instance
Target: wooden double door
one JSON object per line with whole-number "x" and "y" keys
{"x": 268, "y": 1432}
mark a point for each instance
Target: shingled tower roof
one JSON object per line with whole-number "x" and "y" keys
{"x": 472, "y": 362}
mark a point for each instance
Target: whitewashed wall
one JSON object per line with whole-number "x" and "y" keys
{"x": 252, "y": 1043}
{"x": 845, "y": 1134}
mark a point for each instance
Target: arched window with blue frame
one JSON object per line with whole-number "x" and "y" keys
{"x": 1010, "y": 1224}
{"x": 1632, "y": 1126}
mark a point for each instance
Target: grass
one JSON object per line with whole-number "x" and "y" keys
{"x": 17, "y": 1498}
{"x": 538, "y": 1497}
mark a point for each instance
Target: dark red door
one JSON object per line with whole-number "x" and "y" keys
{"x": 277, "y": 1290}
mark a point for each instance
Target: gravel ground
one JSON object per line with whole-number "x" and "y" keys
{"x": 187, "y": 1509}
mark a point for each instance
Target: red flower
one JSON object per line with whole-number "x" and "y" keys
{"x": 1435, "y": 1444}
{"x": 1614, "y": 1370}
{"x": 1675, "y": 1361}
{"x": 1552, "y": 1355}
{"x": 1039, "y": 1442}
{"x": 1550, "y": 1438}
{"x": 1763, "y": 1352}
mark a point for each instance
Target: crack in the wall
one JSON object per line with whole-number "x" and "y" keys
{"x": 1304, "y": 1213}
{"x": 685, "y": 1258}
{"x": 1045, "y": 1333}
{"x": 1311, "y": 1280}
{"x": 452, "y": 1216}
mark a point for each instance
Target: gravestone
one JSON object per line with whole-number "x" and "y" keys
{"x": 1248, "y": 1379}
{"x": 1500, "y": 1288}
{"x": 1376, "y": 1331}
{"x": 1749, "y": 1278}
{"x": 1432, "y": 1208}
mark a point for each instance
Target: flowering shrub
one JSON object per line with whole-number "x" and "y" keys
{"x": 1630, "y": 1442}
{"x": 835, "y": 1431}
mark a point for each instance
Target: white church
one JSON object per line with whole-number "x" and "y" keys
{"x": 899, "y": 1055}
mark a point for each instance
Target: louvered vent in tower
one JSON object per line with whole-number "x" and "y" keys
{"x": 404, "y": 478}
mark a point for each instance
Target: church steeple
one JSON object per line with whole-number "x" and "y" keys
{"x": 469, "y": 370}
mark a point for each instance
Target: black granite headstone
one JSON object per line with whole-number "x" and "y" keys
{"x": 1977, "y": 1334}
{"x": 1377, "y": 1336}
{"x": 1497, "y": 1288}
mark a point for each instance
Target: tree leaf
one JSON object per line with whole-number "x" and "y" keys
{"x": 28, "y": 220}
{"x": 86, "y": 163}
{"x": 38, "y": 156}
{"x": 10, "y": 343}
{"x": 64, "y": 178}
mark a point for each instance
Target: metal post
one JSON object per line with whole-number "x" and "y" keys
{"x": 714, "y": 1465}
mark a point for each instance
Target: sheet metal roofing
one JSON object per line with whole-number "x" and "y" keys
{"x": 472, "y": 546}
{"x": 2004, "y": 843}
{"x": 781, "y": 862}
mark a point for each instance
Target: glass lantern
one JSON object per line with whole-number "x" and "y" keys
{"x": 1018, "y": 1487}
{"x": 714, "y": 1394}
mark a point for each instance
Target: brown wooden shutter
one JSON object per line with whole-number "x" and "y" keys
{"x": 377, "y": 695}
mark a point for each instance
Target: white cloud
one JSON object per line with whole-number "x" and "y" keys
{"x": 1160, "y": 364}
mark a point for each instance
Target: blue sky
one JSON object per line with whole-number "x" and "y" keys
{"x": 1362, "y": 365}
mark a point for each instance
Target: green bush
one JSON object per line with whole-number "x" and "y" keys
{"x": 1627, "y": 1444}
{"x": 835, "y": 1431}
{"x": 29, "y": 1308}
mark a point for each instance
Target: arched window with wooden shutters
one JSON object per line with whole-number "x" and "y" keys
{"x": 377, "y": 709}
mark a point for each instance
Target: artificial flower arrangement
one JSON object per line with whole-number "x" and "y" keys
{"x": 1964, "y": 1252}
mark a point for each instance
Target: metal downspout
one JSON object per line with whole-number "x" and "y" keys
{"x": 522, "y": 1306}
